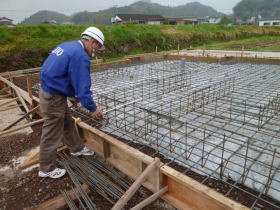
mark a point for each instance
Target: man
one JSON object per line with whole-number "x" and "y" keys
{"x": 66, "y": 73}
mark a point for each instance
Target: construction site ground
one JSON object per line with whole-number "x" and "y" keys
{"x": 23, "y": 189}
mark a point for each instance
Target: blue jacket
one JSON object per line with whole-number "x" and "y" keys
{"x": 67, "y": 72}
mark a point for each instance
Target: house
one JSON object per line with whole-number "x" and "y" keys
{"x": 51, "y": 22}
{"x": 174, "y": 21}
{"x": 269, "y": 21}
{"x": 215, "y": 20}
{"x": 181, "y": 21}
{"x": 203, "y": 20}
{"x": 137, "y": 19}
{"x": 191, "y": 20}
{"x": 6, "y": 22}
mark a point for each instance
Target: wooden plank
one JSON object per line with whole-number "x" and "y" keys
{"x": 204, "y": 59}
{"x": 33, "y": 158}
{"x": 9, "y": 101}
{"x": 184, "y": 192}
{"x": 22, "y": 101}
{"x": 58, "y": 202}
{"x": 29, "y": 90}
{"x": 123, "y": 157}
{"x": 21, "y": 92}
{"x": 22, "y": 71}
{"x": 106, "y": 150}
{"x": 21, "y": 127}
{"x": 10, "y": 107}
{"x": 113, "y": 141}
{"x": 11, "y": 90}
{"x": 21, "y": 118}
{"x": 135, "y": 186}
{"x": 4, "y": 89}
{"x": 150, "y": 199}
{"x": 5, "y": 96}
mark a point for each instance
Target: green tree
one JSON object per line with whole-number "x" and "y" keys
{"x": 254, "y": 8}
{"x": 226, "y": 20}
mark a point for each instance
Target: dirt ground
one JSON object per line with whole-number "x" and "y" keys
{"x": 21, "y": 189}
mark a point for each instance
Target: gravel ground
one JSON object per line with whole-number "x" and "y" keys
{"x": 20, "y": 189}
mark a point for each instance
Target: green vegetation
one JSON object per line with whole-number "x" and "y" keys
{"x": 227, "y": 20}
{"x": 263, "y": 43}
{"x": 254, "y": 8}
{"x": 41, "y": 16}
{"x": 27, "y": 46}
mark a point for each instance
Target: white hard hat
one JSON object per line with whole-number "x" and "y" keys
{"x": 95, "y": 33}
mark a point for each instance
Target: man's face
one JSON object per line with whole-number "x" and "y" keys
{"x": 94, "y": 46}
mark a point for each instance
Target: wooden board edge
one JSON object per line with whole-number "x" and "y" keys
{"x": 187, "y": 184}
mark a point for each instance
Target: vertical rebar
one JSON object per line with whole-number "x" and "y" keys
{"x": 203, "y": 143}
{"x": 245, "y": 162}
{"x": 269, "y": 179}
{"x": 222, "y": 158}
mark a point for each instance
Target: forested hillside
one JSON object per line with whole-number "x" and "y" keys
{"x": 254, "y": 8}
{"x": 104, "y": 16}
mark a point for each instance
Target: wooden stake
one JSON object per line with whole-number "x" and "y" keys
{"x": 21, "y": 127}
{"x": 22, "y": 101}
{"x": 5, "y": 96}
{"x": 20, "y": 119}
{"x": 150, "y": 199}
{"x": 4, "y": 89}
{"x": 33, "y": 158}
{"x": 10, "y": 107}
{"x": 135, "y": 186}
{"x": 58, "y": 202}
{"x": 9, "y": 101}
{"x": 17, "y": 89}
{"x": 11, "y": 89}
{"x": 29, "y": 85}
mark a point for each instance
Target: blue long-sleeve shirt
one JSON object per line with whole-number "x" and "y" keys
{"x": 67, "y": 72}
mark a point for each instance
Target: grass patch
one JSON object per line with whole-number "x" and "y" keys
{"x": 262, "y": 43}
{"x": 20, "y": 41}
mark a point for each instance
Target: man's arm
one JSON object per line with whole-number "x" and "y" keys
{"x": 81, "y": 82}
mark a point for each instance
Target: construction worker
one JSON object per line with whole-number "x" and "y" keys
{"x": 66, "y": 73}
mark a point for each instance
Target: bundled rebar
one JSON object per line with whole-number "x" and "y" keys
{"x": 97, "y": 174}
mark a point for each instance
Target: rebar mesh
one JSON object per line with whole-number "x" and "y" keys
{"x": 220, "y": 120}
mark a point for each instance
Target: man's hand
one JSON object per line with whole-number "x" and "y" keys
{"x": 97, "y": 114}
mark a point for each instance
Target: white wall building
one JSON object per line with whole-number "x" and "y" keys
{"x": 269, "y": 22}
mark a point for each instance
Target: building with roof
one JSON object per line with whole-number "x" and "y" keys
{"x": 275, "y": 21}
{"x": 51, "y": 22}
{"x": 181, "y": 20}
{"x": 6, "y": 21}
{"x": 137, "y": 19}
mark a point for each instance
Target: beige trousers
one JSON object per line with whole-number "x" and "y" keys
{"x": 58, "y": 129}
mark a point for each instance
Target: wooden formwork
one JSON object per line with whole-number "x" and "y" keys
{"x": 183, "y": 192}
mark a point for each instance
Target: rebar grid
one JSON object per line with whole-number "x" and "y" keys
{"x": 217, "y": 120}
{"x": 220, "y": 120}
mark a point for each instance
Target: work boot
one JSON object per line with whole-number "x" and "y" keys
{"x": 56, "y": 173}
{"x": 85, "y": 151}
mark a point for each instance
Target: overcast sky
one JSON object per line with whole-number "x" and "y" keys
{"x": 20, "y": 9}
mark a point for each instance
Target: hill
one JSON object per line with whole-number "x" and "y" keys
{"x": 44, "y": 15}
{"x": 104, "y": 16}
{"x": 254, "y": 8}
